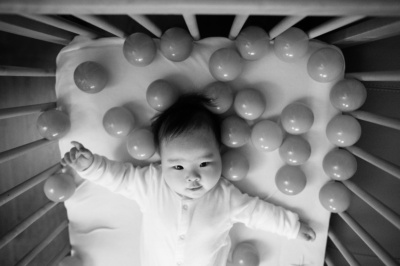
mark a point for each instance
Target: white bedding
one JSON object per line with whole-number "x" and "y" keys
{"x": 104, "y": 228}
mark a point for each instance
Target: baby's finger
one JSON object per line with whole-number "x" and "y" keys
{"x": 63, "y": 163}
{"x": 67, "y": 158}
{"x": 77, "y": 145}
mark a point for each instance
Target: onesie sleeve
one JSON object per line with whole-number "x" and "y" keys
{"x": 261, "y": 215}
{"x": 134, "y": 182}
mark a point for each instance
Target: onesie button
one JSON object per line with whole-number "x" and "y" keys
{"x": 182, "y": 237}
{"x": 185, "y": 207}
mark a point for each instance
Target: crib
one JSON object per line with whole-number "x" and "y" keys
{"x": 34, "y": 230}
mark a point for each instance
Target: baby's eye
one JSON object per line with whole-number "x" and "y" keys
{"x": 204, "y": 164}
{"x": 177, "y": 167}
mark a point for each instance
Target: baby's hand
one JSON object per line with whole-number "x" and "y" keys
{"x": 79, "y": 158}
{"x": 306, "y": 232}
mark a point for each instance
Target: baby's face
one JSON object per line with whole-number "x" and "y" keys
{"x": 191, "y": 163}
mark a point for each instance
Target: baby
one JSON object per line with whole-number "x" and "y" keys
{"x": 188, "y": 208}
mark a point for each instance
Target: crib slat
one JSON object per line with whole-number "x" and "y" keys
{"x": 18, "y": 151}
{"x": 60, "y": 256}
{"x": 14, "y": 29}
{"x": 332, "y": 25}
{"x": 26, "y": 110}
{"x": 36, "y": 250}
{"x": 343, "y": 250}
{"x": 368, "y": 31}
{"x": 376, "y": 76}
{"x": 26, "y": 72}
{"x": 191, "y": 23}
{"x": 283, "y": 25}
{"x": 376, "y": 161}
{"x": 381, "y": 208}
{"x": 328, "y": 260}
{"x": 102, "y": 24}
{"x": 24, "y": 186}
{"x": 147, "y": 23}
{"x": 237, "y": 25}
{"x": 382, "y": 254}
{"x": 62, "y": 24}
{"x": 26, "y": 223}
{"x": 376, "y": 119}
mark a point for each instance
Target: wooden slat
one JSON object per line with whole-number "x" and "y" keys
{"x": 147, "y": 23}
{"x": 191, "y": 23}
{"x": 62, "y": 24}
{"x": 25, "y": 110}
{"x": 26, "y": 223}
{"x": 328, "y": 260}
{"x": 343, "y": 249}
{"x": 18, "y": 30}
{"x": 35, "y": 251}
{"x": 255, "y": 7}
{"x": 21, "y": 188}
{"x": 60, "y": 256}
{"x": 18, "y": 151}
{"x": 237, "y": 25}
{"x": 283, "y": 25}
{"x": 388, "y": 76}
{"x": 26, "y": 72}
{"x": 331, "y": 25}
{"x": 368, "y": 31}
{"x": 382, "y": 254}
{"x": 102, "y": 24}
{"x": 376, "y": 119}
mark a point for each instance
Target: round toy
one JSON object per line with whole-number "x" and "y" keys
{"x": 249, "y": 104}
{"x": 252, "y": 42}
{"x": 221, "y": 96}
{"x": 297, "y": 118}
{"x": 335, "y": 197}
{"x": 325, "y": 65}
{"x": 176, "y": 44}
{"x": 343, "y": 130}
{"x": 59, "y": 187}
{"x": 295, "y": 150}
{"x": 161, "y": 94}
{"x": 245, "y": 254}
{"x": 53, "y": 124}
{"x": 348, "y": 95}
{"x": 291, "y": 45}
{"x": 139, "y": 49}
{"x": 140, "y": 144}
{"x": 90, "y": 77}
{"x": 339, "y": 164}
{"x": 235, "y": 165}
{"x": 235, "y": 132}
{"x": 118, "y": 122}
{"x": 290, "y": 180}
{"x": 266, "y": 136}
{"x": 225, "y": 64}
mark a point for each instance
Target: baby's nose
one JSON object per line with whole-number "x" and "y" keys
{"x": 193, "y": 176}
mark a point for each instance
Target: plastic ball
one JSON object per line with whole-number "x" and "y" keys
{"x": 252, "y": 42}
{"x": 335, "y": 197}
{"x": 266, "y": 136}
{"x": 139, "y": 49}
{"x": 90, "y": 77}
{"x": 348, "y": 95}
{"x": 249, "y": 104}
{"x": 59, "y": 187}
{"x": 235, "y": 132}
{"x": 297, "y": 118}
{"x": 221, "y": 96}
{"x": 225, "y": 64}
{"x": 140, "y": 144}
{"x": 291, "y": 45}
{"x": 118, "y": 122}
{"x": 325, "y": 65}
{"x": 295, "y": 150}
{"x": 245, "y": 254}
{"x": 53, "y": 124}
{"x": 176, "y": 44}
{"x": 235, "y": 165}
{"x": 343, "y": 130}
{"x": 161, "y": 94}
{"x": 70, "y": 261}
{"x": 339, "y": 164}
{"x": 290, "y": 180}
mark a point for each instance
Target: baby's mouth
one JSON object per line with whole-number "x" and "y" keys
{"x": 195, "y": 188}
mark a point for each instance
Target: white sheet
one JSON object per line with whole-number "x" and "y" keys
{"x": 104, "y": 228}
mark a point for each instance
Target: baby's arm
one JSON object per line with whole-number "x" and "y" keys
{"x": 306, "y": 232}
{"x": 79, "y": 158}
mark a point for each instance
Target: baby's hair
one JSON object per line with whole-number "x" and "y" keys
{"x": 187, "y": 114}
